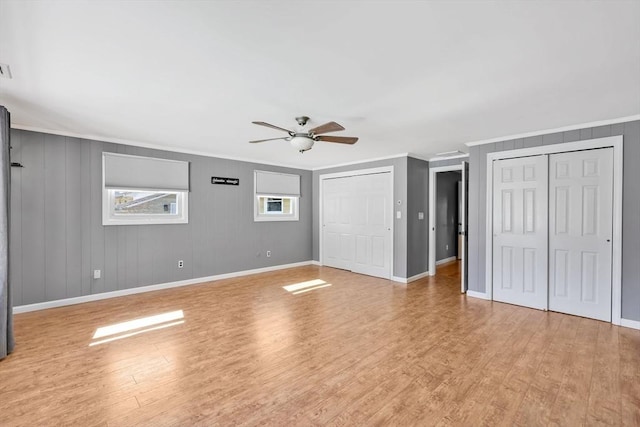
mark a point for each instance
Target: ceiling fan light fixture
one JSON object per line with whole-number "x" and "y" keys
{"x": 301, "y": 143}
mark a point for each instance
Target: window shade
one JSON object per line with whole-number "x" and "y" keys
{"x": 144, "y": 173}
{"x": 277, "y": 184}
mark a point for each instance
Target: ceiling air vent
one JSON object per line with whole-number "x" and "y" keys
{"x": 448, "y": 155}
{"x": 5, "y": 71}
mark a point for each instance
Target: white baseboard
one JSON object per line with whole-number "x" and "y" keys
{"x": 150, "y": 288}
{"x": 446, "y": 260}
{"x": 314, "y": 262}
{"x": 633, "y": 324}
{"x": 409, "y": 279}
{"x": 417, "y": 277}
{"x": 476, "y": 294}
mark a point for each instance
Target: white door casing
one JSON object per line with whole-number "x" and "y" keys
{"x": 433, "y": 174}
{"x": 580, "y": 232}
{"x": 464, "y": 211}
{"x": 520, "y": 231}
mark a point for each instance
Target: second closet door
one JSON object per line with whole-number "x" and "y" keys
{"x": 580, "y": 232}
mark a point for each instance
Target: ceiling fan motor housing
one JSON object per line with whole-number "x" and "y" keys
{"x": 302, "y": 120}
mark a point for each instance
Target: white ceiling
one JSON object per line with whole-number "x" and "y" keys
{"x": 406, "y": 77}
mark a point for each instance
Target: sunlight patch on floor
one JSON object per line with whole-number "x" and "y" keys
{"x": 311, "y": 289}
{"x": 302, "y": 287}
{"x": 137, "y": 326}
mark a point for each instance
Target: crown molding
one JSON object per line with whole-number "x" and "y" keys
{"x": 555, "y": 130}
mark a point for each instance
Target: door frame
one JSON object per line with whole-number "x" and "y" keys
{"x": 464, "y": 201}
{"x": 431, "y": 255}
{"x": 616, "y": 142}
{"x": 371, "y": 171}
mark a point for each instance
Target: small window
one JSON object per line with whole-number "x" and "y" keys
{"x": 144, "y": 190}
{"x": 270, "y": 208}
{"x": 128, "y": 206}
{"x": 276, "y": 196}
{"x": 275, "y": 205}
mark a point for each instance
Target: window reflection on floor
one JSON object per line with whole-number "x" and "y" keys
{"x": 137, "y": 326}
{"x": 302, "y": 287}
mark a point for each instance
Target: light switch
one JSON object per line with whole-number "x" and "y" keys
{"x": 398, "y": 214}
{"x": 420, "y": 215}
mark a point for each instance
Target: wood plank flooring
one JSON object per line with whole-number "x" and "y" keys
{"x": 363, "y": 351}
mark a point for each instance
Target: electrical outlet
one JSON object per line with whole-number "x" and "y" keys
{"x": 268, "y": 254}
{"x": 180, "y": 264}
{"x": 96, "y": 274}
{"x": 446, "y": 247}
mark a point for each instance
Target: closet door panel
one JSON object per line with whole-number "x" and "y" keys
{"x": 580, "y": 232}
{"x": 520, "y": 231}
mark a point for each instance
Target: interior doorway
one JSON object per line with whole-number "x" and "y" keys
{"x": 448, "y": 201}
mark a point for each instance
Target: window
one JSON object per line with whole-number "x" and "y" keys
{"x": 275, "y": 205}
{"x": 276, "y": 196}
{"x": 144, "y": 190}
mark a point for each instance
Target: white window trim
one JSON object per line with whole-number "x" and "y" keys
{"x": 269, "y": 217}
{"x": 108, "y": 203}
{"x": 109, "y": 218}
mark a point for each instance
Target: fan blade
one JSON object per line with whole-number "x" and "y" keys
{"x": 339, "y": 139}
{"x": 270, "y": 139}
{"x": 327, "y": 127}
{"x": 272, "y": 126}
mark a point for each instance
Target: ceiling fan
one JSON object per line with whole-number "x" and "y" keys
{"x": 303, "y": 141}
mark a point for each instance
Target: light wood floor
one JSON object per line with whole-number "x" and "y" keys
{"x": 362, "y": 351}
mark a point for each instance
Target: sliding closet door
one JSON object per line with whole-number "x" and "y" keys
{"x": 520, "y": 225}
{"x": 372, "y": 212}
{"x": 580, "y": 232}
{"x": 338, "y": 240}
{"x": 357, "y": 215}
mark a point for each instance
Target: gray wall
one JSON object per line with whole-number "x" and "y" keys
{"x": 57, "y": 236}
{"x": 417, "y": 229}
{"x": 447, "y": 214}
{"x": 399, "y": 193}
{"x": 630, "y": 204}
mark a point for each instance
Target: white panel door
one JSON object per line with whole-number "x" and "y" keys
{"x": 580, "y": 231}
{"x": 520, "y": 227}
{"x": 372, "y": 211}
{"x": 337, "y": 234}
